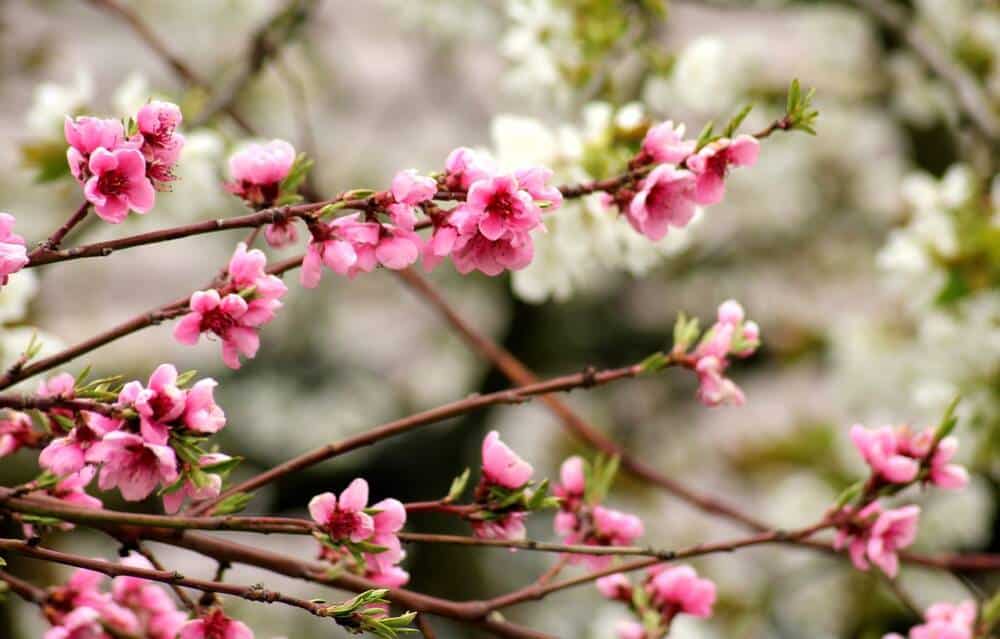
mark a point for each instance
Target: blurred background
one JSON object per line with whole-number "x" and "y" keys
{"x": 869, "y": 254}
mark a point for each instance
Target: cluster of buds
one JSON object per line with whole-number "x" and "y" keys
{"x": 134, "y": 607}
{"x": 247, "y": 300}
{"x": 361, "y": 538}
{"x": 121, "y": 166}
{"x": 505, "y": 494}
{"x": 897, "y": 455}
{"x": 151, "y": 438}
{"x": 666, "y": 592}
{"x": 582, "y": 519}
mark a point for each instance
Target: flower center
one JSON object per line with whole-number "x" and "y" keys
{"x": 112, "y": 183}
{"x": 502, "y": 204}
{"x": 216, "y": 321}
{"x": 342, "y": 524}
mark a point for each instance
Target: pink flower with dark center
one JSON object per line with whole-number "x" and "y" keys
{"x": 665, "y": 143}
{"x": 201, "y": 413}
{"x": 465, "y": 166}
{"x": 344, "y": 519}
{"x": 223, "y": 317}
{"x": 258, "y": 170}
{"x": 502, "y": 466}
{"x": 13, "y": 254}
{"x": 215, "y": 625}
{"x": 346, "y": 245}
{"x": 498, "y": 206}
{"x": 172, "y": 500}
{"x": 157, "y": 122}
{"x": 680, "y": 588}
{"x": 132, "y": 464}
{"x": 263, "y": 292}
{"x": 17, "y": 432}
{"x": 711, "y": 164}
{"x": 474, "y": 252}
{"x": 118, "y": 184}
{"x": 85, "y": 135}
{"x": 664, "y": 200}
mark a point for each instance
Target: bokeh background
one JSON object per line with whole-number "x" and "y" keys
{"x": 870, "y": 255}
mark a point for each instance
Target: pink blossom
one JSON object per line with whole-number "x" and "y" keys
{"x": 880, "y": 449}
{"x": 502, "y": 466}
{"x": 878, "y": 536}
{"x": 664, "y": 200}
{"x": 713, "y": 388}
{"x": 82, "y": 623}
{"x": 573, "y": 482}
{"x": 392, "y": 577}
{"x": 158, "y": 404}
{"x": 408, "y": 187}
{"x": 507, "y": 526}
{"x": 201, "y": 413}
{"x": 13, "y": 254}
{"x": 72, "y": 489}
{"x": 712, "y": 162}
{"x": 346, "y": 245}
{"x": 161, "y": 143}
{"x": 65, "y": 455}
{"x": 389, "y": 520}
{"x": 344, "y": 519}
{"x": 616, "y": 528}
{"x": 132, "y": 464}
{"x": 118, "y": 184}
{"x": 258, "y": 170}
{"x": 16, "y": 432}
{"x": 84, "y": 136}
{"x": 62, "y": 385}
{"x": 465, "y": 166}
{"x": 281, "y": 234}
{"x": 535, "y": 180}
{"x": 730, "y": 335}
{"x": 397, "y": 247}
{"x": 616, "y": 586}
{"x": 665, "y": 143}
{"x": 213, "y": 485}
{"x": 439, "y": 245}
{"x": 263, "y": 292}
{"x": 223, "y": 317}
{"x": 680, "y": 587}
{"x": 215, "y": 625}
{"x": 474, "y": 252}
{"x": 497, "y": 206}
{"x": 944, "y": 474}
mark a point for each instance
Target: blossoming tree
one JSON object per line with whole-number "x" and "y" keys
{"x": 155, "y": 442}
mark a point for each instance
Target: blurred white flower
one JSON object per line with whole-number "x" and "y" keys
{"x": 707, "y": 77}
{"x": 53, "y": 102}
{"x": 130, "y": 95}
{"x": 16, "y": 294}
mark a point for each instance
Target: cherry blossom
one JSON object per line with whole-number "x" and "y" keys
{"x": 258, "y": 170}
{"x": 664, "y": 200}
{"x": 344, "y": 519}
{"x": 215, "y": 625}
{"x": 118, "y": 184}
{"x": 711, "y": 164}
{"x": 133, "y": 465}
{"x": 502, "y": 466}
{"x": 223, "y": 317}
{"x": 13, "y": 254}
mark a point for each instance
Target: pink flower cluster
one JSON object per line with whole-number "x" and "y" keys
{"x": 876, "y": 535}
{"x": 121, "y": 173}
{"x": 945, "y": 621}
{"x": 349, "y": 520}
{"x": 896, "y": 455}
{"x": 501, "y": 468}
{"x": 135, "y": 607}
{"x": 17, "y": 432}
{"x": 682, "y": 179}
{"x": 578, "y": 522}
{"x": 134, "y": 453}
{"x": 235, "y": 312}
{"x": 257, "y": 172}
{"x": 730, "y": 335}
{"x": 671, "y": 590}
{"x": 13, "y": 254}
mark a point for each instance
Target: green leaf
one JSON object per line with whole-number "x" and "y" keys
{"x": 794, "y": 92}
{"x": 64, "y": 422}
{"x": 224, "y": 467}
{"x": 233, "y": 504}
{"x": 849, "y": 494}
{"x": 41, "y": 521}
{"x": 737, "y": 121}
{"x": 538, "y": 497}
{"x": 705, "y": 136}
{"x": 2, "y": 562}
{"x": 296, "y": 175}
{"x": 990, "y": 612}
{"x": 185, "y": 378}
{"x": 458, "y": 486}
{"x": 81, "y": 379}
{"x": 654, "y": 363}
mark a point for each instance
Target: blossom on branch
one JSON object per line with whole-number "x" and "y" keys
{"x": 215, "y": 625}
{"x": 711, "y": 165}
{"x": 13, "y": 254}
{"x": 874, "y": 535}
{"x": 258, "y": 170}
{"x": 945, "y": 621}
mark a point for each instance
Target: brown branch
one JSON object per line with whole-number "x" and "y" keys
{"x": 28, "y": 402}
{"x": 446, "y": 411}
{"x": 23, "y": 589}
{"x": 181, "y": 595}
{"x": 60, "y": 233}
